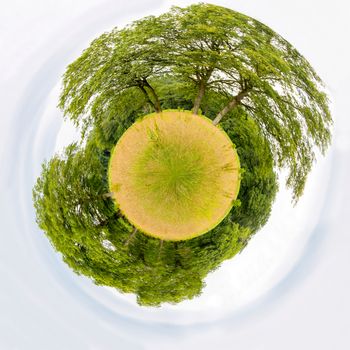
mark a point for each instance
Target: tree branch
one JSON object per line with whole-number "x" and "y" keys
{"x": 230, "y": 106}
{"x": 130, "y": 237}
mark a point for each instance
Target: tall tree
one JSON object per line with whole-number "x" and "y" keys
{"x": 213, "y": 49}
{"x": 242, "y": 75}
{"x": 111, "y": 65}
{"x": 79, "y": 218}
{"x": 94, "y": 240}
{"x": 255, "y": 69}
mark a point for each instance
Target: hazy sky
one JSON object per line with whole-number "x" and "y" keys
{"x": 288, "y": 290}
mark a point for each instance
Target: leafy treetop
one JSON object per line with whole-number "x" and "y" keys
{"x": 210, "y": 49}
{"x": 74, "y": 208}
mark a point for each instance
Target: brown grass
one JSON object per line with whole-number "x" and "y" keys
{"x": 174, "y": 175}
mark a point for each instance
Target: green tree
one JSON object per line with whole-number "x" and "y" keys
{"x": 215, "y": 61}
{"x": 216, "y": 49}
{"x": 96, "y": 241}
{"x": 79, "y": 218}
{"x": 259, "y": 182}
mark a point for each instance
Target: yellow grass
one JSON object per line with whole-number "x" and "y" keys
{"x": 174, "y": 175}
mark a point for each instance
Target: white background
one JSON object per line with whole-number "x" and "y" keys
{"x": 40, "y": 307}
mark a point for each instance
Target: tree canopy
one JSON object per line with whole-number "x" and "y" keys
{"x": 78, "y": 216}
{"x": 214, "y": 61}
{"x": 75, "y": 210}
{"x": 210, "y": 48}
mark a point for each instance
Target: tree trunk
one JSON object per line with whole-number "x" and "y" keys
{"x": 160, "y": 248}
{"x": 156, "y": 103}
{"x": 131, "y": 237}
{"x": 199, "y": 97}
{"x": 230, "y": 106}
{"x": 108, "y": 195}
{"x": 147, "y": 96}
{"x": 201, "y": 91}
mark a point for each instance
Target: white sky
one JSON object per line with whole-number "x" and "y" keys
{"x": 44, "y": 305}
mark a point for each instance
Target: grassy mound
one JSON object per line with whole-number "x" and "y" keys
{"x": 174, "y": 175}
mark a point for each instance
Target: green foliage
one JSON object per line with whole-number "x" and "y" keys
{"x": 79, "y": 218}
{"x": 259, "y": 181}
{"x": 96, "y": 241}
{"x": 205, "y": 57}
{"x": 209, "y": 49}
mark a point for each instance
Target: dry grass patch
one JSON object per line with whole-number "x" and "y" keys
{"x": 174, "y": 175}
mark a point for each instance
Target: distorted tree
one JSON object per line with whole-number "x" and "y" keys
{"x": 99, "y": 243}
{"x": 211, "y": 48}
{"x": 203, "y": 58}
{"x": 96, "y": 241}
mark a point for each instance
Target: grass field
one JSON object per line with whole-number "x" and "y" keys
{"x": 174, "y": 175}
